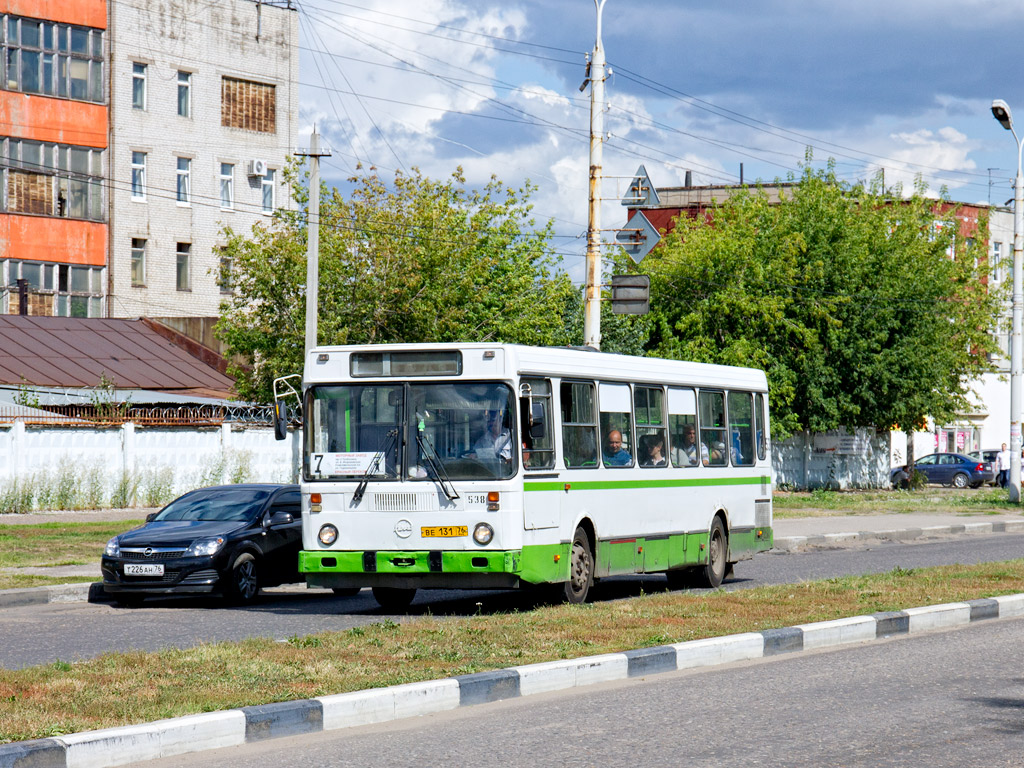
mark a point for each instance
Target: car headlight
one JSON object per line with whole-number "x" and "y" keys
{"x": 483, "y": 533}
{"x": 205, "y": 547}
{"x": 328, "y": 535}
{"x": 113, "y": 548}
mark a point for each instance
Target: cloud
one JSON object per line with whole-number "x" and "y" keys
{"x": 493, "y": 87}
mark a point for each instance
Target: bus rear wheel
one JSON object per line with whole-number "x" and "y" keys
{"x": 711, "y": 575}
{"x": 393, "y": 598}
{"x": 581, "y": 569}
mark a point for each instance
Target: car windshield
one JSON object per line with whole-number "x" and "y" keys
{"x": 421, "y": 431}
{"x": 225, "y": 504}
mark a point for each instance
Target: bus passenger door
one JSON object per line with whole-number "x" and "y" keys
{"x": 542, "y": 500}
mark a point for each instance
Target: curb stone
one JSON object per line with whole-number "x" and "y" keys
{"x": 195, "y": 733}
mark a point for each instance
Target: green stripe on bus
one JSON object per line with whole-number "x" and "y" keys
{"x": 603, "y": 485}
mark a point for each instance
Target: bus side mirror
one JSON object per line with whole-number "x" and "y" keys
{"x": 280, "y": 420}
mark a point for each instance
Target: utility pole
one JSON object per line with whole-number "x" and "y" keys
{"x": 313, "y": 238}
{"x": 592, "y": 300}
{"x": 1001, "y": 112}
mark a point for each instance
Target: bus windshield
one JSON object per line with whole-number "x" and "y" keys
{"x": 420, "y": 431}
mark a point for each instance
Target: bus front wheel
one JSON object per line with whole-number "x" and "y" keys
{"x": 393, "y": 598}
{"x": 581, "y": 568}
{"x": 711, "y": 575}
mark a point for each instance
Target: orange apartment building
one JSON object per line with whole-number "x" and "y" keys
{"x": 53, "y": 141}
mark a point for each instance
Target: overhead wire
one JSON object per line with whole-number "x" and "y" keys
{"x": 315, "y": 33}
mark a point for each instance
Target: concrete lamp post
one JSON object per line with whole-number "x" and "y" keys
{"x": 1001, "y": 112}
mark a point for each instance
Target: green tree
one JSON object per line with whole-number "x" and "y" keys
{"x": 417, "y": 260}
{"x": 848, "y": 299}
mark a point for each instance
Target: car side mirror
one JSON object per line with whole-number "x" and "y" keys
{"x": 151, "y": 517}
{"x": 278, "y": 519}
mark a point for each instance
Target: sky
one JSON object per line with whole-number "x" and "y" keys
{"x": 494, "y": 88}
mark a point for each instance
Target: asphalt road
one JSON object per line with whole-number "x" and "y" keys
{"x": 951, "y": 698}
{"x": 41, "y": 634}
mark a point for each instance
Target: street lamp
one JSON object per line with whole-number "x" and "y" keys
{"x": 1001, "y": 112}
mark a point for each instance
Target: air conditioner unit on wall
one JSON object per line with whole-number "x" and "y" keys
{"x": 257, "y": 167}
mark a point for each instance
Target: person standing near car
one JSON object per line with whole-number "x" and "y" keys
{"x": 1003, "y": 465}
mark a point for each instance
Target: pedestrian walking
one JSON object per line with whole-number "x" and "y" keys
{"x": 1003, "y": 465}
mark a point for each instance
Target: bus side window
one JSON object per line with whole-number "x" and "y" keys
{"x": 741, "y": 428}
{"x": 649, "y": 415}
{"x": 759, "y": 432}
{"x": 535, "y": 411}
{"x": 712, "y": 428}
{"x": 617, "y": 446}
{"x": 579, "y": 429}
{"x": 682, "y": 423}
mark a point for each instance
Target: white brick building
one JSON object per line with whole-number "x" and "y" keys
{"x": 203, "y": 112}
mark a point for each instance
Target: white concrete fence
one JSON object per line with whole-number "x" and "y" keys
{"x": 838, "y": 460}
{"x": 138, "y": 464}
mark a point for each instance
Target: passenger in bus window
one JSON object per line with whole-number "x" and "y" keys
{"x": 652, "y": 451}
{"x": 717, "y": 454}
{"x": 687, "y": 450}
{"x": 496, "y": 441}
{"x": 614, "y": 454}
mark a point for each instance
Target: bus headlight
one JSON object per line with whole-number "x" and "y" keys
{"x": 483, "y": 533}
{"x": 328, "y": 535}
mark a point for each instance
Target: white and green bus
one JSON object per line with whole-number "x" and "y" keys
{"x": 498, "y": 466}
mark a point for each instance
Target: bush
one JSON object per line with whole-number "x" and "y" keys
{"x": 158, "y": 487}
{"x": 126, "y": 490}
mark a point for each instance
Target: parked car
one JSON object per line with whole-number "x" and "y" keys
{"x": 989, "y": 455}
{"x": 953, "y": 469}
{"x": 231, "y": 539}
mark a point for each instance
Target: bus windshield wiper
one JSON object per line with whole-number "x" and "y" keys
{"x": 435, "y": 464}
{"x": 380, "y": 455}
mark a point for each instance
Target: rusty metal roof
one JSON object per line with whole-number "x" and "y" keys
{"x": 80, "y": 352}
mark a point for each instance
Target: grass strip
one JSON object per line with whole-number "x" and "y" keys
{"x": 51, "y": 544}
{"x": 124, "y": 688}
{"x": 929, "y": 500}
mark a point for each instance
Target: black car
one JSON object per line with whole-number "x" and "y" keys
{"x": 231, "y": 539}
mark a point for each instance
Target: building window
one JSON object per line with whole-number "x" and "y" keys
{"x": 184, "y": 180}
{"x": 997, "y": 261}
{"x": 53, "y": 179}
{"x": 59, "y": 289}
{"x": 138, "y": 86}
{"x": 248, "y": 105}
{"x": 138, "y": 262}
{"x": 138, "y": 175}
{"x": 184, "y": 94}
{"x": 52, "y": 59}
{"x": 184, "y": 251}
{"x": 267, "y": 185}
{"x": 227, "y": 186}
{"x": 29, "y": 193}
